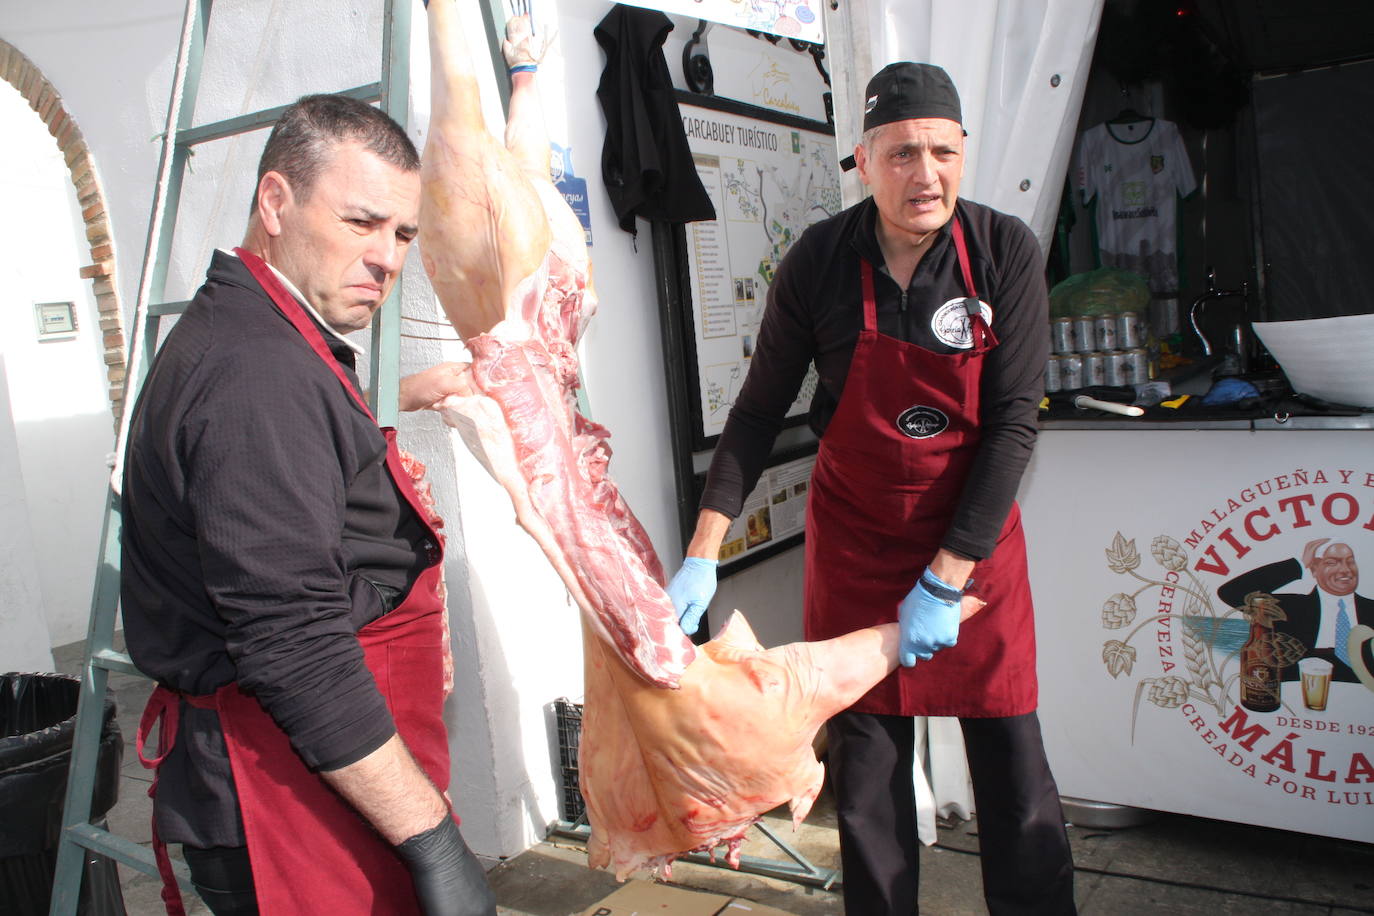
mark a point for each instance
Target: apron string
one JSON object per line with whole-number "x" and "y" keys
{"x": 983, "y": 336}
{"x": 164, "y": 711}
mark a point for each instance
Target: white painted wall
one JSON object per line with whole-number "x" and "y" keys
{"x": 57, "y": 399}
{"x": 515, "y": 637}
{"x": 23, "y": 632}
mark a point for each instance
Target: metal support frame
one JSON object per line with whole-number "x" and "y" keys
{"x": 800, "y": 870}
{"x": 393, "y": 91}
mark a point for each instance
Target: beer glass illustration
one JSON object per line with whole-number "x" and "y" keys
{"x": 1316, "y": 682}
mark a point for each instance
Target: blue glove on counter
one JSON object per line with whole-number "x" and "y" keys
{"x": 691, "y": 590}
{"x": 929, "y": 619}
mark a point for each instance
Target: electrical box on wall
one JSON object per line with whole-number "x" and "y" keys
{"x": 55, "y": 320}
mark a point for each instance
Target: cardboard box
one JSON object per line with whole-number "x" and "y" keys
{"x": 647, "y": 898}
{"x": 741, "y": 907}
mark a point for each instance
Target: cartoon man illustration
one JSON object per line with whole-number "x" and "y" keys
{"x": 1320, "y": 619}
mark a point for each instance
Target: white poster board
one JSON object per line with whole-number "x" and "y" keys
{"x": 1136, "y": 541}
{"x": 769, "y": 178}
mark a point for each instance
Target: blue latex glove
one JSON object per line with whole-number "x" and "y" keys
{"x": 1227, "y": 391}
{"x": 929, "y": 619}
{"x": 691, "y": 590}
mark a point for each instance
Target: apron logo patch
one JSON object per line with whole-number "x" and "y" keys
{"x": 922, "y": 422}
{"x": 951, "y": 325}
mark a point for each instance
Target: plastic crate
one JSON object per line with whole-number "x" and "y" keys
{"x": 569, "y": 716}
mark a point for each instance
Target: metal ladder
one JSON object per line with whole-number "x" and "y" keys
{"x": 79, "y": 835}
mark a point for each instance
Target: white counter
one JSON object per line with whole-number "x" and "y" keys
{"x": 1131, "y": 529}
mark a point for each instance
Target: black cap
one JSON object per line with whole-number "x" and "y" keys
{"x": 906, "y": 90}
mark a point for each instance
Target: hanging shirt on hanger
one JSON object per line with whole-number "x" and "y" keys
{"x": 1137, "y": 170}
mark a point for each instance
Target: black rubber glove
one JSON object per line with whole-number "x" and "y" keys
{"x": 449, "y": 881}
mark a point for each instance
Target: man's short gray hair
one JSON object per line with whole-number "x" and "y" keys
{"x": 302, "y": 141}
{"x": 870, "y": 137}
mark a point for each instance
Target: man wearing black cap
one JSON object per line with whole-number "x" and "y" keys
{"x": 925, "y": 317}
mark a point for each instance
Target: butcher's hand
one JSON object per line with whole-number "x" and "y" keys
{"x": 430, "y": 386}
{"x": 449, "y": 881}
{"x": 692, "y": 590}
{"x": 929, "y": 619}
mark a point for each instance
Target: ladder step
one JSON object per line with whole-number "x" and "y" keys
{"x": 168, "y": 308}
{"x": 112, "y": 660}
{"x": 124, "y": 851}
{"x": 218, "y": 130}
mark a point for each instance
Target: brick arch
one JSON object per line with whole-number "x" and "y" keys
{"x": 43, "y": 98}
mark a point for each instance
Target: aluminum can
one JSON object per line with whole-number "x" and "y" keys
{"x": 1084, "y": 334}
{"x": 1052, "y": 375}
{"x": 1104, "y": 332}
{"x": 1116, "y": 368}
{"x": 1061, "y": 335}
{"x": 1095, "y": 368}
{"x": 1070, "y": 372}
{"x": 1127, "y": 330}
{"x": 1137, "y": 366}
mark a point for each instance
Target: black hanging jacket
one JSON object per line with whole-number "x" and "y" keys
{"x": 645, "y": 162}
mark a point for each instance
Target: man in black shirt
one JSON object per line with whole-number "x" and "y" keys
{"x": 925, "y": 316}
{"x": 280, "y": 575}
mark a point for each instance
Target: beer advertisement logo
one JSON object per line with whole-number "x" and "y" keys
{"x": 1253, "y": 633}
{"x": 951, "y": 325}
{"x": 920, "y": 422}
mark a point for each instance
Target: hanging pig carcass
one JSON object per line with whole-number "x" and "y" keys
{"x": 682, "y": 747}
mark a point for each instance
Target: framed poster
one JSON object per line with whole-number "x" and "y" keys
{"x": 770, "y": 175}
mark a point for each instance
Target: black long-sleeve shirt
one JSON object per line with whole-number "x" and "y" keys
{"x": 815, "y": 312}
{"x": 261, "y": 531}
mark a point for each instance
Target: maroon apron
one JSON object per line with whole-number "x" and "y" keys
{"x": 889, "y": 475}
{"x": 310, "y": 851}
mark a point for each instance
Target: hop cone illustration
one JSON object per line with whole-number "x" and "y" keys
{"x": 1118, "y": 611}
{"x": 1168, "y": 553}
{"x": 1169, "y": 692}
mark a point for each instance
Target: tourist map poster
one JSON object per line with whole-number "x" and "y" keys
{"x": 798, "y": 19}
{"x": 769, "y": 180}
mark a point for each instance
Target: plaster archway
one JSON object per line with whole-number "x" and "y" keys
{"x": 43, "y": 98}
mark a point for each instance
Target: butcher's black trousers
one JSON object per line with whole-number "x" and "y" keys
{"x": 223, "y": 878}
{"x": 1026, "y": 863}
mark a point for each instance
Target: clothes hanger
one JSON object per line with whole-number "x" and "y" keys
{"x": 1128, "y": 115}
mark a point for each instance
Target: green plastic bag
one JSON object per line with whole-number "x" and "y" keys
{"x": 1102, "y": 291}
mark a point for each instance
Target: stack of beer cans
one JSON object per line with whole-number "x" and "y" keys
{"x": 1106, "y": 349}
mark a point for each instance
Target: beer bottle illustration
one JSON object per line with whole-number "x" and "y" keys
{"x": 1260, "y": 657}
{"x": 1259, "y": 679}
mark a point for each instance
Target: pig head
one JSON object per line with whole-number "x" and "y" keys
{"x": 665, "y": 772}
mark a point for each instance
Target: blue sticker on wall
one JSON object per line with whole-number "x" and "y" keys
{"x": 573, "y": 189}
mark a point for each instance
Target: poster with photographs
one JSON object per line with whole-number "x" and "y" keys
{"x": 774, "y": 514}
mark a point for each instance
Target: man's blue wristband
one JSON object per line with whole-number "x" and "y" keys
{"x": 523, "y": 68}
{"x": 938, "y": 588}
